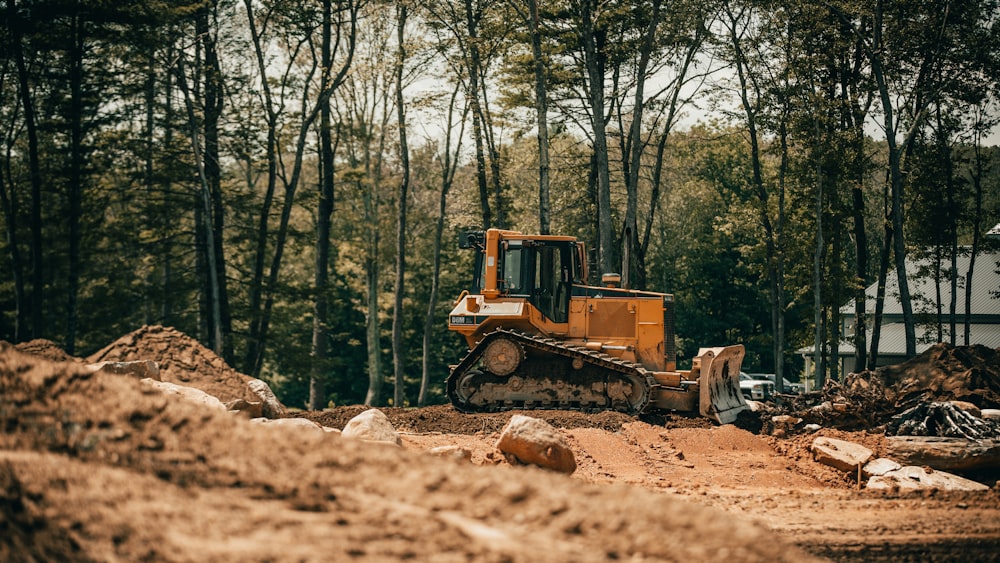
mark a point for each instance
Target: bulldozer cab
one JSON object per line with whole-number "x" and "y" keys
{"x": 540, "y": 269}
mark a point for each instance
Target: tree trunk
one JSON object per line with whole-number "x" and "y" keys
{"x": 541, "y": 112}
{"x": 221, "y": 333}
{"x": 34, "y": 172}
{"x": 477, "y": 113}
{"x": 979, "y": 164}
{"x": 75, "y": 187}
{"x": 318, "y": 353}
{"x": 9, "y": 206}
{"x": 399, "y": 397}
{"x": 448, "y": 168}
{"x": 883, "y": 272}
{"x": 593, "y": 44}
{"x": 203, "y": 210}
{"x": 630, "y": 239}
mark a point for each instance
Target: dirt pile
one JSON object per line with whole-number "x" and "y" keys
{"x": 945, "y": 373}
{"x": 182, "y": 360}
{"x": 96, "y": 466}
{"x": 46, "y": 349}
{"x": 870, "y": 399}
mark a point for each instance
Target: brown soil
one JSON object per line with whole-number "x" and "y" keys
{"x": 99, "y": 467}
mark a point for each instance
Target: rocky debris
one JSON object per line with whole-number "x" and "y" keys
{"x": 843, "y": 455}
{"x": 141, "y": 369}
{"x": 869, "y": 399}
{"x": 457, "y": 453}
{"x": 912, "y": 478}
{"x": 187, "y": 393}
{"x": 531, "y": 441}
{"x": 887, "y": 473}
{"x": 953, "y": 454}
{"x": 372, "y": 425}
{"x": 947, "y": 419}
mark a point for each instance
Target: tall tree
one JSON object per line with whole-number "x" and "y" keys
{"x": 399, "y": 396}
{"x": 331, "y": 45}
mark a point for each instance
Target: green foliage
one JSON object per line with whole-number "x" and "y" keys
{"x": 135, "y": 172}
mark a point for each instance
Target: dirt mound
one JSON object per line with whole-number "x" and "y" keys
{"x": 870, "y": 399}
{"x": 445, "y": 419}
{"x": 946, "y": 373}
{"x": 46, "y": 349}
{"x": 182, "y": 360}
{"x": 108, "y": 469}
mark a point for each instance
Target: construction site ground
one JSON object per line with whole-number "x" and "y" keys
{"x": 98, "y": 467}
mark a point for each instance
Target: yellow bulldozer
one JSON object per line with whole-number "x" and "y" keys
{"x": 540, "y": 338}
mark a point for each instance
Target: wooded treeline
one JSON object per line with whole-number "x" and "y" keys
{"x": 285, "y": 179}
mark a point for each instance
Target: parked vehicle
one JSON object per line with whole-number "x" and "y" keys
{"x": 787, "y": 387}
{"x": 756, "y": 389}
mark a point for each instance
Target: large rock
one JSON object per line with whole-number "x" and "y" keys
{"x": 372, "y": 425}
{"x": 531, "y": 441}
{"x": 845, "y": 456}
{"x": 272, "y": 407}
{"x": 912, "y": 478}
{"x": 187, "y": 393}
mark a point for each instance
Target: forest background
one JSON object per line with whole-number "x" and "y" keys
{"x": 286, "y": 180}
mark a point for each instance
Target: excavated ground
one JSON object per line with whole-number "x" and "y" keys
{"x": 99, "y": 467}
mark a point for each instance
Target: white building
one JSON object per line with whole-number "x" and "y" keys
{"x": 926, "y": 293}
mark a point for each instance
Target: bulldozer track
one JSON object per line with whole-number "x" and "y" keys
{"x": 627, "y": 387}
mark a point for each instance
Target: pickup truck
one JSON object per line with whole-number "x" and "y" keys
{"x": 788, "y": 387}
{"x": 756, "y": 389}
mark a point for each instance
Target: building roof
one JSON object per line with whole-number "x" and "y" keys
{"x": 923, "y": 289}
{"x": 892, "y": 340}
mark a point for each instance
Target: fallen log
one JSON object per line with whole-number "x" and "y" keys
{"x": 946, "y": 454}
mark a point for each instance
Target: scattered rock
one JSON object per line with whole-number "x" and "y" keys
{"x": 288, "y": 423}
{"x": 914, "y": 478}
{"x": 252, "y": 409}
{"x": 531, "y": 441}
{"x": 783, "y": 424}
{"x": 372, "y": 425}
{"x": 457, "y": 453}
{"x": 843, "y": 455}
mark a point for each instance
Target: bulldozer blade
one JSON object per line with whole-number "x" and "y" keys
{"x": 719, "y": 383}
